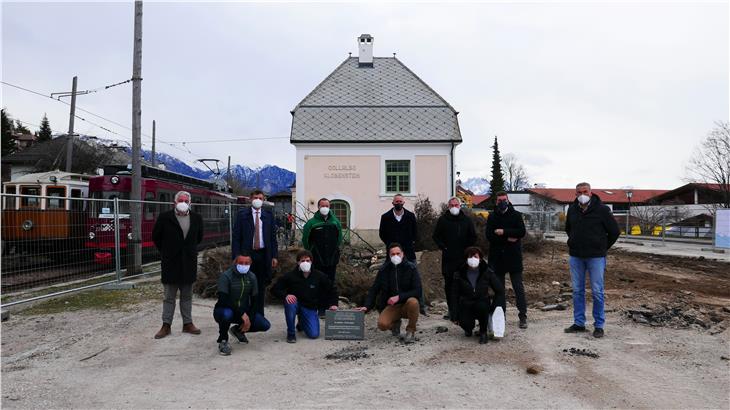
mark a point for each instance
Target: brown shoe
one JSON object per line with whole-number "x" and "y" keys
{"x": 164, "y": 331}
{"x": 190, "y": 328}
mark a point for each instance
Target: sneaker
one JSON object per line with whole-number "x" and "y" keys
{"x": 291, "y": 338}
{"x": 598, "y": 333}
{"x": 483, "y": 338}
{"x": 395, "y": 330}
{"x": 235, "y": 330}
{"x": 523, "y": 323}
{"x": 410, "y": 338}
{"x": 468, "y": 333}
{"x": 224, "y": 348}
{"x": 574, "y": 329}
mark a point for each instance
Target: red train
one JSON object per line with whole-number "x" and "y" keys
{"x": 158, "y": 191}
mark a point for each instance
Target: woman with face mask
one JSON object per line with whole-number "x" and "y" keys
{"x": 470, "y": 294}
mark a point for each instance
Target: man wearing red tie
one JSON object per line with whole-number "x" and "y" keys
{"x": 255, "y": 233}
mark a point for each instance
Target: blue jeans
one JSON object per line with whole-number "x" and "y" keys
{"x": 308, "y": 320}
{"x": 226, "y": 317}
{"x": 595, "y": 268}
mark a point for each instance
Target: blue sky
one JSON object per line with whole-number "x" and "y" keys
{"x": 615, "y": 94}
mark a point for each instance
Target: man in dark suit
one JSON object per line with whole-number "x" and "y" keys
{"x": 177, "y": 234}
{"x": 255, "y": 233}
{"x": 398, "y": 225}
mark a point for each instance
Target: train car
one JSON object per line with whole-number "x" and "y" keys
{"x": 48, "y": 217}
{"x": 158, "y": 191}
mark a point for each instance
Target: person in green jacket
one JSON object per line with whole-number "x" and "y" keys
{"x": 322, "y": 235}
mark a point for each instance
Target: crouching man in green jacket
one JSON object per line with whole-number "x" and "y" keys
{"x": 237, "y": 291}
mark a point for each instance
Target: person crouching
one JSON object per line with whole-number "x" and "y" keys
{"x": 470, "y": 294}
{"x": 234, "y": 311}
{"x": 305, "y": 291}
{"x": 399, "y": 283}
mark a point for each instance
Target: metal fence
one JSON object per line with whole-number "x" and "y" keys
{"x": 52, "y": 245}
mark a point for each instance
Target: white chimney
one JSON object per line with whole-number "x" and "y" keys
{"x": 365, "y": 46}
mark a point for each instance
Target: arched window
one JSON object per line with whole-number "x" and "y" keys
{"x": 341, "y": 210}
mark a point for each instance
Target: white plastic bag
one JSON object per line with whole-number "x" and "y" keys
{"x": 496, "y": 322}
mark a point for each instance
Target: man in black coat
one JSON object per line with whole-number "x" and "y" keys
{"x": 591, "y": 230}
{"x": 398, "y": 225}
{"x": 398, "y": 284}
{"x": 505, "y": 230}
{"x": 254, "y": 232}
{"x": 177, "y": 234}
{"x": 454, "y": 233}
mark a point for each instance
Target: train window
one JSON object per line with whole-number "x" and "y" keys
{"x": 107, "y": 207}
{"x": 26, "y": 202}
{"x": 77, "y": 203}
{"x": 10, "y": 201}
{"x": 150, "y": 209}
{"x": 165, "y": 197}
{"x": 56, "y": 192}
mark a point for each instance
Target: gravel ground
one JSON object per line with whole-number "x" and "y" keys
{"x": 109, "y": 359}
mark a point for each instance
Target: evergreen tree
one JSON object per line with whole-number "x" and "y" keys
{"x": 20, "y": 128}
{"x": 44, "y": 134}
{"x": 8, "y": 141}
{"x": 497, "y": 182}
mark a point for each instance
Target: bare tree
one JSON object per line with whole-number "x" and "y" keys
{"x": 542, "y": 212}
{"x": 652, "y": 215}
{"x": 710, "y": 162}
{"x": 515, "y": 176}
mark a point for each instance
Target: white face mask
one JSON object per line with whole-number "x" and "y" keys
{"x": 182, "y": 207}
{"x": 473, "y": 262}
{"x": 243, "y": 268}
{"x": 454, "y": 211}
{"x": 257, "y": 203}
{"x": 584, "y": 199}
{"x": 305, "y": 266}
{"x": 396, "y": 259}
{"x": 324, "y": 211}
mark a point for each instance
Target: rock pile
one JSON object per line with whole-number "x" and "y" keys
{"x": 678, "y": 316}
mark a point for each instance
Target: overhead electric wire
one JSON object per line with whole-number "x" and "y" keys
{"x": 186, "y": 150}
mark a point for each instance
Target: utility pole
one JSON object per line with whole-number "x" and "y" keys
{"x": 70, "y": 138}
{"x": 228, "y": 173}
{"x": 154, "y": 159}
{"x": 134, "y": 247}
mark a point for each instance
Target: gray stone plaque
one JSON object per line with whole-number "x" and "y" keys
{"x": 344, "y": 325}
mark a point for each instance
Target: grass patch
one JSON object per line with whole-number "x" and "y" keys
{"x": 97, "y": 299}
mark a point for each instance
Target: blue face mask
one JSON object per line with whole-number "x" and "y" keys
{"x": 243, "y": 269}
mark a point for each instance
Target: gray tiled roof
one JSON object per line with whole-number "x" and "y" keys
{"x": 386, "y": 102}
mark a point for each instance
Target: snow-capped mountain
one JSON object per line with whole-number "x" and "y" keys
{"x": 480, "y": 186}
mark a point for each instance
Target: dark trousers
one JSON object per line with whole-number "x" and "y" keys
{"x": 258, "y": 267}
{"x": 515, "y": 277}
{"x": 470, "y": 313}
{"x": 330, "y": 271}
{"x": 226, "y": 317}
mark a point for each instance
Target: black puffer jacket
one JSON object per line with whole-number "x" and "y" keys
{"x": 591, "y": 232}
{"x": 453, "y": 234}
{"x": 463, "y": 293}
{"x": 179, "y": 256}
{"x": 402, "y": 280}
{"x": 503, "y": 254}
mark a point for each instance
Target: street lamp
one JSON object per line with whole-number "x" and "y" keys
{"x": 629, "y": 194}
